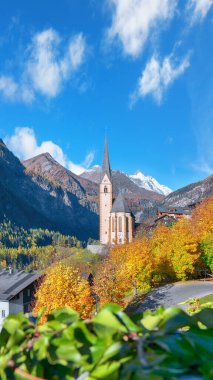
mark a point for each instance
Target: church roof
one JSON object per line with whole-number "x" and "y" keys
{"x": 106, "y": 164}
{"x": 120, "y": 205}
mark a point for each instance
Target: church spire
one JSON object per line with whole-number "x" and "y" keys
{"x": 106, "y": 164}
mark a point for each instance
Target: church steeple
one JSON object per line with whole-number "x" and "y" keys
{"x": 106, "y": 164}
{"x": 116, "y": 221}
{"x": 105, "y": 197}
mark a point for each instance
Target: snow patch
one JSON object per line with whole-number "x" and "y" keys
{"x": 149, "y": 183}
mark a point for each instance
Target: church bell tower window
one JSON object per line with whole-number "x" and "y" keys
{"x": 105, "y": 190}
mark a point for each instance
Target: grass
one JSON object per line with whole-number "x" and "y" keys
{"x": 197, "y": 304}
{"x": 206, "y": 299}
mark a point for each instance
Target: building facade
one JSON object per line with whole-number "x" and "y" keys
{"x": 16, "y": 292}
{"x": 116, "y": 219}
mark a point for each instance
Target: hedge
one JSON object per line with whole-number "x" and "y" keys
{"x": 165, "y": 344}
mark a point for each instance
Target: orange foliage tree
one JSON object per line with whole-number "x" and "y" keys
{"x": 178, "y": 252}
{"x": 63, "y": 286}
{"x": 202, "y": 228}
{"x": 128, "y": 266}
{"x": 175, "y": 251}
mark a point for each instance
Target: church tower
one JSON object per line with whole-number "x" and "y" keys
{"x": 105, "y": 201}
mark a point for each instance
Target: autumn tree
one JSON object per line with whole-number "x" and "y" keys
{"x": 202, "y": 228}
{"x": 178, "y": 252}
{"x": 129, "y": 267}
{"x": 160, "y": 247}
{"x": 106, "y": 283}
{"x": 64, "y": 286}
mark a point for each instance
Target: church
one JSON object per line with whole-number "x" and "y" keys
{"x": 116, "y": 219}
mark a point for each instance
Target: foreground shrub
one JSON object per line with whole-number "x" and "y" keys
{"x": 167, "y": 344}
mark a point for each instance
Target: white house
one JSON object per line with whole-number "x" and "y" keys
{"x": 16, "y": 292}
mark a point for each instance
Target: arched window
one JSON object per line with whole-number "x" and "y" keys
{"x": 113, "y": 224}
{"x": 127, "y": 224}
{"x": 120, "y": 224}
{"x": 105, "y": 189}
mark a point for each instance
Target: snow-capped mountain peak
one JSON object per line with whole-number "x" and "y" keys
{"x": 149, "y": 183}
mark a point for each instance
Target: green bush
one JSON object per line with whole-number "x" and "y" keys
{"x": 167, "y": 344}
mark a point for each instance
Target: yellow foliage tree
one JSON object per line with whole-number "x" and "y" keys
{"x": 183, "y": 253}
{"x": 63, "y": 286}
{"x": 106, "y": 284}
{"x": 160, "y": 247}
{"x": 128, "y": 267}
{"x": 202, "y": 219}
{"x": 169, "y": 254}
{"x": 175, "y": 251}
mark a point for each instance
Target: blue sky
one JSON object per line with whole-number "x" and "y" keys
{"x": 140, "y": 70}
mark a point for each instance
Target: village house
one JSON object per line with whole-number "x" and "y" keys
{"x": 167, "y": 216}
{"x": 16, "y": 292}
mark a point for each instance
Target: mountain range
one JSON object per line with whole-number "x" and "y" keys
{"x": 31, "y": 200}
{"x": 142, "y": 181}
{"x": 40, "y": 192}
{"x": 149, "y": 183}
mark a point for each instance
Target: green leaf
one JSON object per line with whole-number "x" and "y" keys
{"x": 174, "y": 318}
{"x": 108, "y": 371}
{"x": 151, "y": 321}
{"x": 67, "y": 351}
{"x": 111, "y": 351}
{"x": 64, "y": 315}
{"x": 205, "y": 316}
{"x": 106, "y": 324}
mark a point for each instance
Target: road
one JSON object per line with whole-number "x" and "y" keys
{"x": 173, "y": 294}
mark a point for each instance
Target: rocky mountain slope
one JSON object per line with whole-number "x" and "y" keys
{"x": 93, "y": 174}
{"x": 190, "y": 194}
{"x": 31, "y": 200}
{"x": 46, "y": 167}
{"x": 86, "y": 189}
{"x": 186, "y": 196}
{"x": 122, "y": 182}
{"x": 39, "y": 192}
{"x": 149, "y": 183}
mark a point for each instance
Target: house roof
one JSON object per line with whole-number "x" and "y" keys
{"x": 120, "y": 205}
{"x": 12, "y": 284}
{"x": 175, "y": 210}
{"x": 106, "y": 164}
{"x": 170, "y": 217}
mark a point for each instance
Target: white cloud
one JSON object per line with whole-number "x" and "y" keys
{"x": 23, "y": 143}
{"x": 79, "y": 169}
{"x": 198, "y": 9}
{"x": 158, "y": 76}
{"x": 76, "y": 51}
{"x": 89, "y": 159}
{"x": 11, "y": 90}
{"x": 46, "y": 67}
{"x": 75, "y": 168}
{"x": 134, "y": 20}
{"x": 8, "y": 86}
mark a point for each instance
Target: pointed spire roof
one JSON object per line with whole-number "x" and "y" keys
{"x": 120, "y": 205}
{"x": 106, "y": 164}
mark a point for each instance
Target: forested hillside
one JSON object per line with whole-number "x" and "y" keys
{"x": 34, "y": 202}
